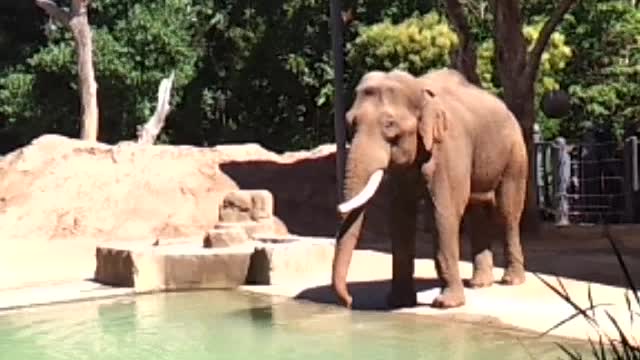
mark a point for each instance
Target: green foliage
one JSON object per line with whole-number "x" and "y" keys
{"x": 132, "y": 53}
{"x": 553, "y": 62}
{"x": 415, "y": 45}
{"x": 604, "y": 79}
{"x": 16, "y": 97}
{"x": 262, "y": 71}
{"x": 425, "y": 42}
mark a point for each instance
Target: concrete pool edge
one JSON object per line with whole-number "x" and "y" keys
{"x": 89, "y": 290}
{"x": 68, "y": 294}
{"x": 531, "y": 307}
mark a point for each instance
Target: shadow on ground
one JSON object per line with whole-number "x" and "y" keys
{"x": 367, "y": 295}
{"x": 305, "y": 199}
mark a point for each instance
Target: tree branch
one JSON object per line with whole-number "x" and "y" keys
{"x": 54, "y": 11}
{"x": 545, "y": 34}
{"x": 148, "y": 133}
{"x": 466, "y": 56}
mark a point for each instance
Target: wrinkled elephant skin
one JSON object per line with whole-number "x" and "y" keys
{"x": 440, "y": 137}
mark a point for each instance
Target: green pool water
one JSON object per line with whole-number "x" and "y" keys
{"x": 217, "y": 325}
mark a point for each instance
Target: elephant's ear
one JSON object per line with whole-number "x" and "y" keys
{"x": 433, "y": 120}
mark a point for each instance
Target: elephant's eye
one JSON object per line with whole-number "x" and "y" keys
{"x": 390, "y": 129}
{"x": 369, "y": 91}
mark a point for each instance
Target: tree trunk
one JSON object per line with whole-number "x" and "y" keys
{"x": 77, "y": 21}
{"x": 519, "y": 91}
{"x": 519, "y": 99}
{"x": 465, "y": 59}
{"x": 86, "y": 77}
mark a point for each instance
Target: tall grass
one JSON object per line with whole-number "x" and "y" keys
{"x": 624, "y": 345}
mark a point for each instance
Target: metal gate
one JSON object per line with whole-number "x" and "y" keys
{"x": 587, "y": 182}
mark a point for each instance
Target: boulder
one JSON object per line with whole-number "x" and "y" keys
{"x": 246, "y": 205}
{"x": 232, "y": 236}
{"x": 248, "y": 210}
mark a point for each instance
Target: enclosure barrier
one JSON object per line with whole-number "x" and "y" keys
{"x": 587, "y": 182}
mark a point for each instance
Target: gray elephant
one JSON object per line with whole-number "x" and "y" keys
{"x": 458, "y": 145}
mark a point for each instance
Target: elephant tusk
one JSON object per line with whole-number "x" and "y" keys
{"x": 364, "y": 195}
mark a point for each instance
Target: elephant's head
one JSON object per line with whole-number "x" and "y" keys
{"x": 393, "y": 116}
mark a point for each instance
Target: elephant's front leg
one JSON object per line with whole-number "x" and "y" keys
{"x": 447, "y": 250}
{"x": 402, "y": 227}
{"x": 449, "y": 196}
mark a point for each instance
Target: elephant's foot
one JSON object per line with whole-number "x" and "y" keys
{"x": 450, "y": 298}
{"x": 481, "y": 278}
{"x": 513, "y": 275}
{"x": 402, "y": 299}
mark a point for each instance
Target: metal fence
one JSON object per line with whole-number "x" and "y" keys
{"x": 587, "y": 182}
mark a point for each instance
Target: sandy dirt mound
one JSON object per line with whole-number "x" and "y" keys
{"x": 58, "y": 187}
{"x": 62, "y": 188}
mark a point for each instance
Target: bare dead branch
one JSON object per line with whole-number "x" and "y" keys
{"x": 466, "y": 57}
{"x": 148, "y": 133}
{"x": 54, "y": 11}
{"x": 545, "y": 34}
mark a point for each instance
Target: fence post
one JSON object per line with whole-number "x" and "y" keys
{"x": 537, "y": 165}
{"x": 547, "y": 163}
{"x": 631, "y": 181}
{"x": 562, "y": 176}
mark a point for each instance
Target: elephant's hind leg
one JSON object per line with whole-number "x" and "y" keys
{"x": 510, "y": 203}
{"x": 482, "y": 218}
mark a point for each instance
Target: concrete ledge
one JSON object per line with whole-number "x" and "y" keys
{"x": 172, "y": 267}
{"x": 189, "y": 265}
{"x": 282, "y": 260}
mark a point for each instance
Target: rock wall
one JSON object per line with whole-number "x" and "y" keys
{"x": 304, "y": 188}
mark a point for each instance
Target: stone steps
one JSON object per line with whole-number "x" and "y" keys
{"x": 247, "y": 246}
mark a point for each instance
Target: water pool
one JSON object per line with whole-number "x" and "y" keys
{"x": 232, "y": 325}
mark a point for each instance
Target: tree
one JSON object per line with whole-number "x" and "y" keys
{"x": 517, "y": 69}
{"x": 77, "y": 21}
{"x": 424, "y": 42}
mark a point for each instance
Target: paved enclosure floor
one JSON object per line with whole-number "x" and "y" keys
{"x": 531, "y": 306}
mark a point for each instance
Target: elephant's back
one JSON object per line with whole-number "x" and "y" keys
{"x": 490, "y": 129}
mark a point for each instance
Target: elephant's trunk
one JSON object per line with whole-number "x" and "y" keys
{"x": 364, "y": 173}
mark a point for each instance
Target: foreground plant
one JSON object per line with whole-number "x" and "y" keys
{"x": 624, "y": 345}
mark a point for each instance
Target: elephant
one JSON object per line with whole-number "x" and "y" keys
{"x": 457, "y": 146}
